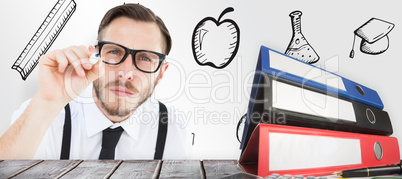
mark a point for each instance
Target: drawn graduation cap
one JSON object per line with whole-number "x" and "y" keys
{"x": 374, "y": 37}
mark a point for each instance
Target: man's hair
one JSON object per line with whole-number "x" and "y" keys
{"x": 136, "y": 12}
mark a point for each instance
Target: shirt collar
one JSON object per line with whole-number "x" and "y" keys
{"x": 96, "y": 121}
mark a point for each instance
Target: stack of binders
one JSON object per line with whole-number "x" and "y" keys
{"x": 304, "y": 120}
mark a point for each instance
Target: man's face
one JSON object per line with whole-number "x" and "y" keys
{"x": 123, "y": 87}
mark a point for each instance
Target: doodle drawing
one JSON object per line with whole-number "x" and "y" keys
{"x": 374, "y": 35}
{"x": 215, "y": 42}
{"x": 298, "y": 47}
{"x": 44, "y": 37}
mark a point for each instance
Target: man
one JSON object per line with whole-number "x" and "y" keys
{"x": 106, "y": 103}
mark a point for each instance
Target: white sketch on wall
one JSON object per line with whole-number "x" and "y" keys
{"x": 216, "y": 42}
{"x": 374, "y": 35}
{"x": 298, "y": 47}
{"x": 44, "y": 37}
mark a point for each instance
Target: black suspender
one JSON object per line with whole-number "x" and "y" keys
{"x": 65, "y": 145}
{"x": 160, "y": 141}
{"x": 162, "y": 131}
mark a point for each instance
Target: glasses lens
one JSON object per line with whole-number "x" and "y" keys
{"x": 147, "y": 61}
{"x": 112, "y": 54}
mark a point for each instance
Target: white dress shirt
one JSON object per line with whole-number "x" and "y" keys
{"x": 138, "y": 140}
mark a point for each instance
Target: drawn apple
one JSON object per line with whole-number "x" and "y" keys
{"x": 215, "y": 42}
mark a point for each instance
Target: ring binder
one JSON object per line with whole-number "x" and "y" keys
{"x": 277, "y": 101}
{"x": 285, "y": 67}
{"x": 286, "y": 70}
{"x": 314, "y": 152}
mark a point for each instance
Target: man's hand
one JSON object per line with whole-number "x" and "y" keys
{"x": 64, "y": 74}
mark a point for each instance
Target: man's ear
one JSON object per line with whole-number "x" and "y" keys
{"x": 164, "y": 67}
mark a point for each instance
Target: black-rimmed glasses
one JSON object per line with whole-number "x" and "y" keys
{"x": 144, "y": 60}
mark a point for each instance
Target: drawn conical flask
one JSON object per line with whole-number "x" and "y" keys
{"x": 298, "y": 47}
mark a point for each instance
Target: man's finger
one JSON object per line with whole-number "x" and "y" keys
{"x": 74, "y": 60}
{"x": 82, "y": 53}
{"x": 62, "y": 62}
{"x": 97, "y": 71}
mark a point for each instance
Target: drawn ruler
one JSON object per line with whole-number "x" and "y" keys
{"x": 44, "y": 37}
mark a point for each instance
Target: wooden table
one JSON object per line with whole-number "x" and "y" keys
{"x": 118, "y": 168}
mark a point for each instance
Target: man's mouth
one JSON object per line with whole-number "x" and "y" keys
{"x": 121, "y": 91}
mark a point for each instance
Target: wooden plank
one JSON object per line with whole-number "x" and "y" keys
{"x": 220, "y": 168}
{"x": 48, "y": 169}
{"x": 93, "y": 169}
{"x": 181, "y": 169}
{"x": 138, "y": 169}
{"x": 10, "y": 168}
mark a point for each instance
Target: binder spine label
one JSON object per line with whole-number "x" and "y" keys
{"x": 308, "y": 72}
{"x": 292, "y": 98}
{"x": 316, "y": 151}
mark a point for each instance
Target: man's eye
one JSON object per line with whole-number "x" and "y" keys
{"x": 114, "y": 52}
{"x": 145, "y": 59}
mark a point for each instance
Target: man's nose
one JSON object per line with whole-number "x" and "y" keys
{"x": 126, "y": 70}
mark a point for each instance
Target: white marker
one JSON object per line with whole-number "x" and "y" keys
{"x": 94, "y": 58}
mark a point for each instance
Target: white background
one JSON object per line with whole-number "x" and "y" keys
{"x": 214, "y": 99}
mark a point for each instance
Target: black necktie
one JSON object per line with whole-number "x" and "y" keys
{"x": 110, "y": 138}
